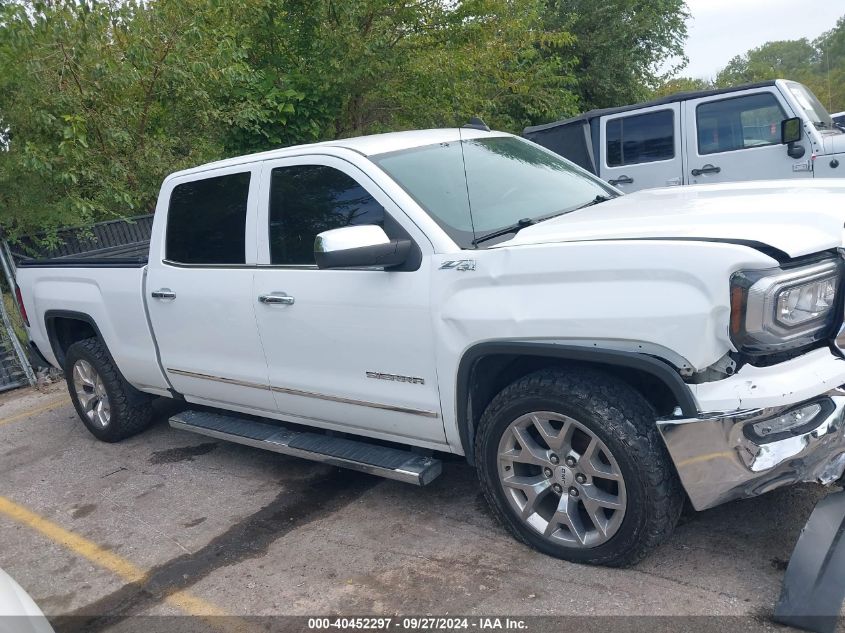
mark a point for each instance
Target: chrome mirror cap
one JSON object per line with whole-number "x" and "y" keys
{"x": 348, "y": 237}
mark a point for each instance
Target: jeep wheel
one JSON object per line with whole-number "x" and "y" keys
{"x": 572, "y": 464}
{"x": 110, "y": 407}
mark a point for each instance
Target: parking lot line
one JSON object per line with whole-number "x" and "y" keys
{"x": 118, "y": 565}
{"x": 55, "y": 404}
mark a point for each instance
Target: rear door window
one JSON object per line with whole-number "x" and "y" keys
{"x": 641, "y": 138}
{"x": 206, "y": 221}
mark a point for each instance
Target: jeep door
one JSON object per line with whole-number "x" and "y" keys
{"x": 737, "y": 137}
{"x": 641, "y": 149}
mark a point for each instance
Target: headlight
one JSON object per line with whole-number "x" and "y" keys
{"x": 779, "y": 309}
{"x": 805, "y": 302}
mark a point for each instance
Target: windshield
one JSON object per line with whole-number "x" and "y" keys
{"x": 816, "y": 112}
{"x": 478, "y": 186}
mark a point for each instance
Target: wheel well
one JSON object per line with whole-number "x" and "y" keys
{"x": 64, "y": 331}
{"x": 482, "y": 376}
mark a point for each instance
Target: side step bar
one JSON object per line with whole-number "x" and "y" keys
{"x": 392, "y": 463}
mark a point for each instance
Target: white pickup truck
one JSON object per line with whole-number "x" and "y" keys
{"x": 771, "y": 130}
{"x": 378, "y": 302}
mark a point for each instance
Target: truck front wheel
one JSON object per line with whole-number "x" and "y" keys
{"x": 572, "y": 464}
{"x": 110, "y": 407}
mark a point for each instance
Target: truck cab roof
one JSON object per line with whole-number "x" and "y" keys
{"x": 365, "y": 145}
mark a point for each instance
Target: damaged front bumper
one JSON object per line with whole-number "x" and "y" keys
{"x": 745, "y": 452}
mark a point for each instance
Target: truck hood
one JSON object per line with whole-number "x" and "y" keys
{"x": 834, "y": 143}
{"x": 797, "y": 218}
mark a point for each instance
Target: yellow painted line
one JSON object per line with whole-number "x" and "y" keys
{"x": 120, "y": 566}
{"x": 55, "y": 404}
{"x": 77, "y": 544}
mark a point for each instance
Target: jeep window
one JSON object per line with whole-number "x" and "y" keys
{"x": 206, "y": 221}
{"x": 308, "y": 199}
{"x": 739, "y": 123}
{"x": 641, "y": 138}
{"x": 477, "y": 186}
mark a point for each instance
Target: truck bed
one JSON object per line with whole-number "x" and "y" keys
{"x": 103, "y": 288}
{"x": 126, "y": 256}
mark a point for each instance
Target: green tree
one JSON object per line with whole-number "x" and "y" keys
{"x": 101, "y": 100}
{"x": 830, "y": 83}
{"x": 681, "y": 84}
{"x": 363, "y": 66}
{"x": 621, "y": 45}
{"x": 792, "y": 59}
{"x": 819, "y": 64}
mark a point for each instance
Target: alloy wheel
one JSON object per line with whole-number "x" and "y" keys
{"x": 91, "y": 393}
{"x": 561, "y": 479}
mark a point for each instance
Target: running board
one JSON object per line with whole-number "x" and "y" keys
{"x": 392, "y": 463}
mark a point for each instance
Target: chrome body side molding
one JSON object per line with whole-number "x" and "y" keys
{"x": 305, "y": 394}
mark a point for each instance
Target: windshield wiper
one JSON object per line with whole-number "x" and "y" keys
{"x": 597, "y": 200}
{"x": 513, "y": 228}
{"x": 521, "y": 224}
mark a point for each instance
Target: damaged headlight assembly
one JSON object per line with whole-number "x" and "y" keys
{"x": 780, "y": 309}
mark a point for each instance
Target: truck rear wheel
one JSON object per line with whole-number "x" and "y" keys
{"x": 572, "y": 464}
{"x": 110, "y": 407}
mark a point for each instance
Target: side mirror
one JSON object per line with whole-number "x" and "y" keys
{"x": 790, "y": 130}
{"x": 790, "y": 134}
{"x": 365, "y": 246}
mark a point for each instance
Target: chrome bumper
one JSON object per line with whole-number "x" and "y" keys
{"x": 719, "y": 458}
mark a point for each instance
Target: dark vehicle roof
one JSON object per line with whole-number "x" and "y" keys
{"x": 675, "y": 98}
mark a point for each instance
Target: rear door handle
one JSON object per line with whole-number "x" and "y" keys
{"x": 163, "y": 293}
{"x": 622, "y": 180}
{"x": 277, "y": 298}
{"x": 707, "y": 169}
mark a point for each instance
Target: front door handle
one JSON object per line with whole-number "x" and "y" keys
{"x": 277, "y": 298}
{"x": 707, "y": 169}
{"x": 622, "y": 180}
{"x": 163, "y": 293}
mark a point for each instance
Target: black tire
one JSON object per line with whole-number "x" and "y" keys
{"x": 617, "y": 415}
{"x": 130, "y": 410}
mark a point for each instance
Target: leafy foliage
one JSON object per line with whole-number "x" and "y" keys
{"x": 819, "y": 64}
{"x": 620, "y": 46}
{"x": 99, "y": 99}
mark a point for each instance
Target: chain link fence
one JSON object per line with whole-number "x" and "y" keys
{"x": 12, "y": 372}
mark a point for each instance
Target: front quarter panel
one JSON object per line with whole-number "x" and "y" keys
{"x": 622, "y": 295}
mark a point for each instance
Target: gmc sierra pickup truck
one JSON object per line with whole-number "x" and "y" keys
{"x": 376, "y": 303}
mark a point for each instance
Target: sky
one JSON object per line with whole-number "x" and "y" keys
{"x": 720, "y": 29}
